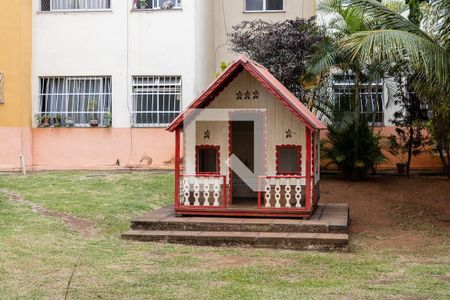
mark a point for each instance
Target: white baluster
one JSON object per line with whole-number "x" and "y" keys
{"x": 298, "y": 194}
{"x": 216, "y": 192}
{"x": 206, "y": 193}
{"x": 277, "y": 193}
{"x": 287, "y": 193}
{"x": 196, "y": 191}
{"x": 267, "y": 195}
{"x": 186, "y": 191}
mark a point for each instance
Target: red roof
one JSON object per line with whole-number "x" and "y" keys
{"x": 275, "y": 87}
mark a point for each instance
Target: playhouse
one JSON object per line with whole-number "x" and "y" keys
{"x": 247, "y": 147}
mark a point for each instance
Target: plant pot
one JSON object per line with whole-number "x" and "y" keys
{"x": 93, "y": 123}
{"x": 45, "y": 122}
{"x": 70, "y": 123}
{"x": 401, "y": 168}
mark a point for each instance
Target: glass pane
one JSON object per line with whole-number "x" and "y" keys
{"x": 207, "y": 160}
{"x": 254, "y": 5}
{"x": 288, "y": 161}
{"x": 274, "y": 4}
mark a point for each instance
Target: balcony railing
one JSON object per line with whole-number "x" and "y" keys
{"x": 286, "y": 192}
{"x": 202, "y": 191}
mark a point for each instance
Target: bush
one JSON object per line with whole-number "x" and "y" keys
{"x": 354, "y": 162}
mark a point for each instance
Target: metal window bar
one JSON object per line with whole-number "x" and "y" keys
{"x": 156, "y": 4}
{"x": 156, "y": 100}
{"x": 371, "y": 97}
{"x": 80, "y": 5}
{"x": 67, "y": 101}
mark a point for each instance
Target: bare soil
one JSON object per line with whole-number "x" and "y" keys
{"x": 393, "y": 211}
{"x": 84, "y": 227}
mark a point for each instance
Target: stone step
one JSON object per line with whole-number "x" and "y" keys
{"x": 280, "y": 240}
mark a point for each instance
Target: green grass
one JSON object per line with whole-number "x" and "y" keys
{"x": 38, "y": 253}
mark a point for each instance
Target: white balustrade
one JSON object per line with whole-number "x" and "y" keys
{"x": 279, "y": 191}
{"x": 202, "y": 189}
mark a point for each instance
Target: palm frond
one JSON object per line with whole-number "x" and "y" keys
{"x": 387, "y": 18}
{"x": 426, "y": 57}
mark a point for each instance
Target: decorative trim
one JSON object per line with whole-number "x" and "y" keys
{"x": 215, "y": 147}
{"x": 299, "y": 151}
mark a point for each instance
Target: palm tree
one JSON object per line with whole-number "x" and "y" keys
{"x": 393, "y": 38}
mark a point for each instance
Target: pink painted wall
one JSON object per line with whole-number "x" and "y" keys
{"x": 425, "y": 161}
{"x": 100, "y": 148}
{"x": 15, "y": 141}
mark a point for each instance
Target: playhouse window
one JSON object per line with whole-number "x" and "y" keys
{"x": 289, "y": 160}
{"x": 208, "y": 159}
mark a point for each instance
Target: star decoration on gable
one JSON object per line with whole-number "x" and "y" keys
{"x": 288, "y": 134}
{"x": 239, "y": 95}
{"x": 247, "y": 95}
{"x": 255, "y": 95}
{"x": 206, "y": 134}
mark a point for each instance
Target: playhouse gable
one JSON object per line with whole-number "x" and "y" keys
{"x": 244, "y": 84}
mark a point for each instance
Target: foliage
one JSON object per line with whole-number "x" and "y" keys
{"x": 344, "y": 131}
{"x": 284, "y": 48}
{"x": 439, "y": 127}
{"x": 395, "y": 39}
{"x": 410, "y": 139}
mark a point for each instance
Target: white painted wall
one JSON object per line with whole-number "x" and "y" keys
{"x": 123, "y": 43}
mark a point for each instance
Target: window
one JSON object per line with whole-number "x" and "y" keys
{"x": 207, "y": 159}
{"x": 156, "y": 4}
{"x": 75, "y": 101}
{"x": 264, "y": 5}
{"x": 289, "y": 160}
{"x": 371, "y": 97}
{"x": 156, "y": 100}
{"x": 2, "y": 88}
{"x": 62, "y": 5}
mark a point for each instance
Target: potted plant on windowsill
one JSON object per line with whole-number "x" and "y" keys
{"x": 42, "y": 120}
{"x": 91, "y": 108}
{"x": 107, "y": 120}
{"x": 57, "y": 121}
{"x": 69, "y": 122}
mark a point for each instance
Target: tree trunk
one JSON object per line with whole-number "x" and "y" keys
{"x": 356, "y": 137}
{"x": 410, "y": 144}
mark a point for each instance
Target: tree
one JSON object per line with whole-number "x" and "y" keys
{"x": 284, "y": 48}
{"x": 440, "y": 131}
{"x": 397, "y": 40}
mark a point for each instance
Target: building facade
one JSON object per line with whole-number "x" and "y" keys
{"x": 93, "y": 84}
{"x": 15, "y": 84}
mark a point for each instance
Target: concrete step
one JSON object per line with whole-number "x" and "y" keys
{"x": 231, "y": 224}
{"x": 280, "y": 240}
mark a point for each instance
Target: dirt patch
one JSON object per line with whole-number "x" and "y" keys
{"x": 84, "y": 227}
{"x": 393, "y": 211}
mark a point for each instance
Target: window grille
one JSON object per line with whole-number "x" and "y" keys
{"x": 61, "y": 5}
{"x": 264, "y": 5}
{"x": 371, "y": 97}
{"x": 156, "y": 4}
{"x": 2, "y": 88}
{"x": 156, "y": 100}
{"x": 76, "y": 101}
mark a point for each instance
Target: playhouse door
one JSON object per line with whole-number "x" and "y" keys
{"x": 242, "y": 139}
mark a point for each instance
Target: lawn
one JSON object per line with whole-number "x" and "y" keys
{"x": 400, "y": 244}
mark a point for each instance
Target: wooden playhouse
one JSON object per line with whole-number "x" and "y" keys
{"x": 246, "y": 113}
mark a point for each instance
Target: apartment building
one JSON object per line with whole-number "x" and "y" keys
{"x": 105, "y": 77}
{"x": 92, "y": 84}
